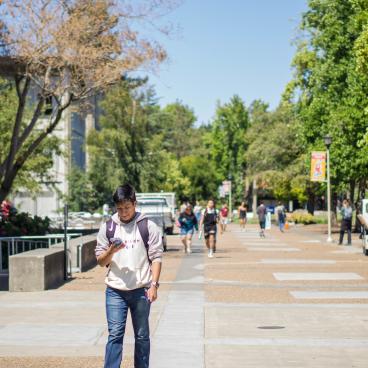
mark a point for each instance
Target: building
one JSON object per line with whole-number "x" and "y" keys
{"x": 72, "y": 129}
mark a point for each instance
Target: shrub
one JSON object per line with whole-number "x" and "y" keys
{"x": 22, "y": 224}
{"x": 302, "y": 218}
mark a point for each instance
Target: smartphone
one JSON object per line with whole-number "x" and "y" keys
{"x": 117, "y": 242}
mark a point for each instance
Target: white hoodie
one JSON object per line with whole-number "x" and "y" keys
{"x": 130, "y": 268}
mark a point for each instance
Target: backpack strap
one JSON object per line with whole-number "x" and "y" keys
{"x": 143, "y": 230}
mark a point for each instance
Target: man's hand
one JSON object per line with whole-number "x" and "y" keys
{"x": 113, "y": 249}
{"x": 105, "y": 258}
{"x": 152, "y": 293}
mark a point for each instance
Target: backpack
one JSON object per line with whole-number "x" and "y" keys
{"x": 142, "y": 227}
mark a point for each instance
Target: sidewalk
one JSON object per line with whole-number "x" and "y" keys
{"x": 289, "y": 300}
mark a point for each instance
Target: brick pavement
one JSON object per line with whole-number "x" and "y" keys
{"x": 256, "y": 304}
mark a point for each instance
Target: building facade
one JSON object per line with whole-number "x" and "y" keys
{"x": 72, "y": 130}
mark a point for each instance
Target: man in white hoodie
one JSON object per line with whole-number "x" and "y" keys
{"x": 131, "y": 247}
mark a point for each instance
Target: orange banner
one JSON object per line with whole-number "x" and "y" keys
{"x": 318, "y": 166}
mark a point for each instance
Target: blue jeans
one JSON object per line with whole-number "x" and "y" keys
{"x": 117, "y": 304}
{"x": 281, "y": 224}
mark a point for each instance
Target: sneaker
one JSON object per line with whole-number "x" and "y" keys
{"x": 189, "y": 251}
{"x": 210, "y": 254}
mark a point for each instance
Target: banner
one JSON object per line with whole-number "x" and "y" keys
{"x": 226, "y": 184}
{"x": 221, "y": 191}
{"x": 318, "y": 166}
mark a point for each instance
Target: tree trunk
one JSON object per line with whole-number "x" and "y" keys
{"x": 358, "y": 205}
{"x": 254, "y": 192}
{"x": 246, "y": 190}
{"x": 334, "y": 199}
{"x": 311, "y": 200}
{"x": 352, "y": 192}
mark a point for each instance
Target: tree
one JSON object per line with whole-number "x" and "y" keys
{"x": 121, "y": 146}
{"x": 330, "y": 88}
{"x": 227, "y": 143}
{"x": 202, "y": 175}
{"x": 37, "y": 167}
{"x": 82, "y": 195}
{"x": 275, "y": 158}
{"x": 176, "y": 124}
{"x": 65, "y": 51}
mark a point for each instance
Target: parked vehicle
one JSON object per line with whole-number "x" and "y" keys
{"x": 363, "y": 218}
{"x": 158, "y": 209}
{"x": 168, "y": 196}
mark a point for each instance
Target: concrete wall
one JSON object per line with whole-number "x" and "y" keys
{"x": 36, "y": 270}
{"x": 85, "y": 246}
{"x": 43, "y": 269}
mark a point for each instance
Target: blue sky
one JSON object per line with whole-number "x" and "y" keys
{"x": 229, "y": 47}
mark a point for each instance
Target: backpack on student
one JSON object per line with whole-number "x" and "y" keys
{"x": 142, "y": 227}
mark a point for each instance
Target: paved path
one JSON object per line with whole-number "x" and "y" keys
{"x": 289, "y": 300}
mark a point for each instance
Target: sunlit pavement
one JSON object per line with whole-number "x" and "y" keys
{"x": 289, "y": 300}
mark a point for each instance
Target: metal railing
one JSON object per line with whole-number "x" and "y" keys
{"x": 18, "y": 244}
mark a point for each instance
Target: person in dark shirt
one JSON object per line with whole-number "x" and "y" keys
{"x": 262, "y": 213}
{"x": 209, "y": 222}
{"x": 347, "y": 215}
{"x": 188, "y": 222}
{"x": 242, "y": 213}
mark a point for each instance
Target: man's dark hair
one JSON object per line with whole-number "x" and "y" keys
{"x": 124, "y": 193}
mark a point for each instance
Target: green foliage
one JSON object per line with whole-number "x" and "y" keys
{"x": 21, "y": 224}
{"x": 302, "y": 218}
{"x": 82, "y": 195}
{"x": 175, "y": 122}
{"x": 202, "y": 175}
{"x": 37, "y": 168}
{"x": 275, "y": 154}
{"x": 140, "y": 143}
{"x": 331, "y": 85}
{"x": 227, "y": 143}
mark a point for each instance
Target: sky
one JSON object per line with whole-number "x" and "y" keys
{"x": 228, "y": 47}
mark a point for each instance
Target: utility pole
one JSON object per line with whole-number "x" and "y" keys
{"x": 65, "y": 242}
{"x": 328, "y": 142}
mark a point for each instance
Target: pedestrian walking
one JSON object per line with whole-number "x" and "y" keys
{"x": 347, "y": 216}
{"x": 262, "y": 213}
{"x": 224, "y": 213}
{"x": 130, "y": 246}
{"x": 242, "y": 214}
{"x": 188, "y": 222}
{"x": 183, "y": 207}
{"x": 209, "y": 220}
{"x": 281, "y": 216}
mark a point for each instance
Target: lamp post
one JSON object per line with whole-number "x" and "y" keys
{"x": 328, "y": 142}
{"x": 66, "y": 242}
{"x": 230, "y": 198}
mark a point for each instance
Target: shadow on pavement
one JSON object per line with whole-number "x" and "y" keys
{"x": 4, "y": 282}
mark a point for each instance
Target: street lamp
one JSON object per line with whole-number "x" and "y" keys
{"x": 230, "y": 197}
{"x": 328, "y": 141}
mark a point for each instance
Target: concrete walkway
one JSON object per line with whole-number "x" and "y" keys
{"x": 179, "y": 338}
{"x": 289, "y": 300}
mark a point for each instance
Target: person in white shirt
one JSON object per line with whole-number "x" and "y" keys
{"x": 131, "y": 247}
